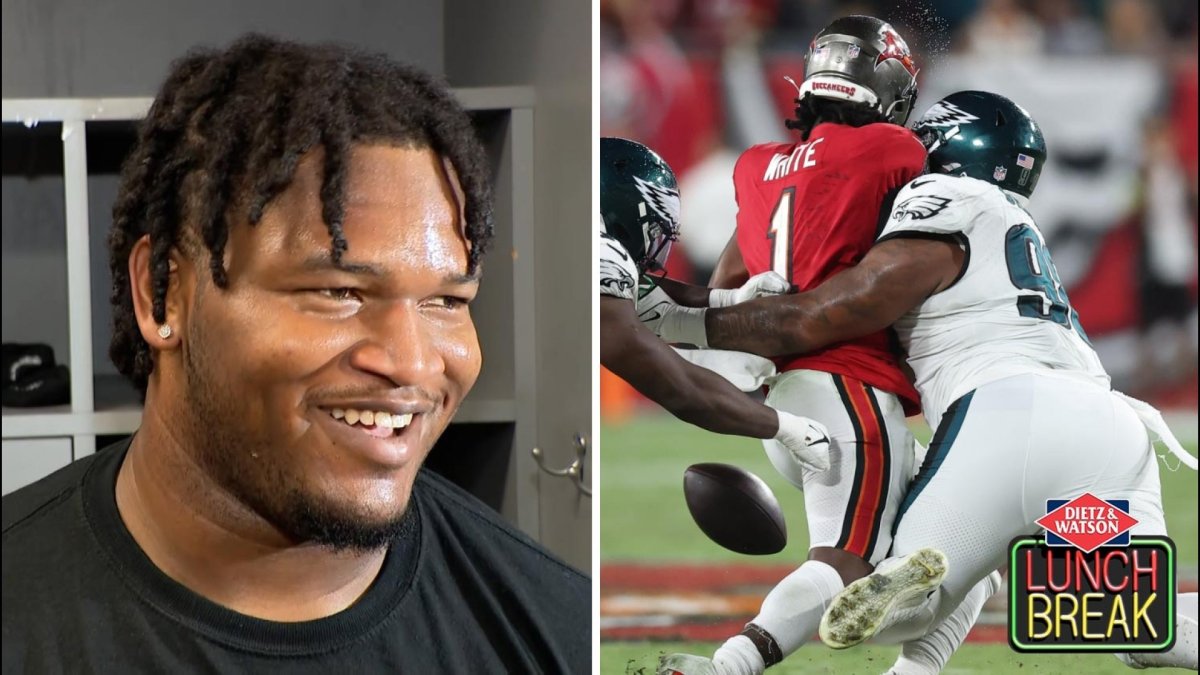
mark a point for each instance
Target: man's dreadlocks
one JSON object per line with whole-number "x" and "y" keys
{"x": 226, "y": 133}
{"x": 813, "y": 110}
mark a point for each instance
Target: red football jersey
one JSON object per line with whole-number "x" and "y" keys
{"x": 809, "y": 210}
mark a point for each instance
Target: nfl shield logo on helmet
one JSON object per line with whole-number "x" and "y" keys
{"x": 853, "y": 51}
{"x": 1000, "y": 173}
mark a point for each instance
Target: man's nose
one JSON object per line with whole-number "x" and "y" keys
{"x": 401, "y": 346}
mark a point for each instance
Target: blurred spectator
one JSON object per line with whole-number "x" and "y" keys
{"x": 1133, "y": 28}
{"x": 1168, "y": 264}
{"x": 1002, "y": 29}
{"x": 709, "y": 211}
{"x": 649, "y": 93}
{"x": 1069, "y": 30}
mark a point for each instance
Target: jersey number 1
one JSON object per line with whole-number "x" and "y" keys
{"x": 780, "y": 234}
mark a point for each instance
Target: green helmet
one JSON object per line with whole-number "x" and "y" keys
{"x": 639, "y": 201}
{"x": 984, "y": 136}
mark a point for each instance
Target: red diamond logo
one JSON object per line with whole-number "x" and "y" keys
{"x": 1087, "y": 522}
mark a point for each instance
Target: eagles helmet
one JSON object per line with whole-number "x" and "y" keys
{"x": 639, "y": 201}
{"x": 862, "y": 59}
{"x": 985, "y": 136}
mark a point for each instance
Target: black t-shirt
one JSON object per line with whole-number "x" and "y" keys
{"x": 460, "y": 592}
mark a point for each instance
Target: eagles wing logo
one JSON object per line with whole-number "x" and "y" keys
{"x": 615, "y": 280}
{"x": 920, "y": 207}
{"x": 664, "y": 202}
{"x": 944, "y": 114}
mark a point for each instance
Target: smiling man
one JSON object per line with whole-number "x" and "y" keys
{"x": 295, "y": 245}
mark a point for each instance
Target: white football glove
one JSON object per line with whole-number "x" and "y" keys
{"x": 806, "y": 440}
{"x": 759, "y": 285}
{"x": 670, "y": 321}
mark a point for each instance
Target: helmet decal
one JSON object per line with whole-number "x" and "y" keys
{"x": 894, "y": 47}
{"x": 944, "y": 114}
{"x": 1000, "y": 173}
{"x": 664, "y": 202}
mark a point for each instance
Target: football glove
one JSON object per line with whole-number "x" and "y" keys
{"x": 767, "y": 283}
{"x": 670, "y": 321}
{"x": 806, "y": 440}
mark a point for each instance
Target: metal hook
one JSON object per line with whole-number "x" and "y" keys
{"x": 574, "y": 470}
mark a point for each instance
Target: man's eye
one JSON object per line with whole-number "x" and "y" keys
{"x": 449, "y": 302}
{"x": 338, "y": 294}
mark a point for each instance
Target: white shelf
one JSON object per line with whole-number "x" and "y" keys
{"x": 47, "y": 424}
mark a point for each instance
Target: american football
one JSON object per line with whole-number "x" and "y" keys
{"x": 735, "y": 508}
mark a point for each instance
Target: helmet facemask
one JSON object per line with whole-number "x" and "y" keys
{"x": 658, "y": 245}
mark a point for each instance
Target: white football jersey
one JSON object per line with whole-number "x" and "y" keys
{"x": 618, "y": 273}
{"x": 1006, "y": 314}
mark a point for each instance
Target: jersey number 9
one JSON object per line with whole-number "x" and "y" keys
{"x": 1031, "y": 269}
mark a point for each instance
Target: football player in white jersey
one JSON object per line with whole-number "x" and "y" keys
{"x": 1023, "y": 409}
{"x": 639, "y": 204}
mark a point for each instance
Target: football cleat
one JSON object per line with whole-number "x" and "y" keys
{"x": 868, "y": 604}
{"x": 685, "y": 664}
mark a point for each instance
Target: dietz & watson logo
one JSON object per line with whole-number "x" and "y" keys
{"x": 1088, "y": 586}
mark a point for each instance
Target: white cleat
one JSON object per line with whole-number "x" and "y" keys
{"x": 866, "y": 605}
{"x": 685, "y": 664}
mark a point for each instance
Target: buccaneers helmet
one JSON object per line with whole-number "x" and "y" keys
{"x": 864, "y": 60}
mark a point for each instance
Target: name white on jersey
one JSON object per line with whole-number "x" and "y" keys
{"x": 801, "y": 158}
{"x": 1007, "y": 314}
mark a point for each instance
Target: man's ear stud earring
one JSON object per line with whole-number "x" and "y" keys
{"x": 164, "y": 331}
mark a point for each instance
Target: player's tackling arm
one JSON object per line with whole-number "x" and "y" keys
{"x": 686, "y": 295}
{"x": 691, "y": 393}
{"x": 895, "y": 276}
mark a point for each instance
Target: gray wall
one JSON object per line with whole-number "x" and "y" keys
{"x": 488, "y": 44}
{"x": 81, "y": 48}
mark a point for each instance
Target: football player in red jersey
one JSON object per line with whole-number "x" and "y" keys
{"x": 807, "y": 211}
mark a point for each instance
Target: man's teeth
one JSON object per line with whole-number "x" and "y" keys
{"x": 368, "y": 418}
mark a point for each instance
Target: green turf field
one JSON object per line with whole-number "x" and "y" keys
{"x": 643, "y": 519}
{"x": 643, "y": 516}
{"x": 634, "y": 658}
